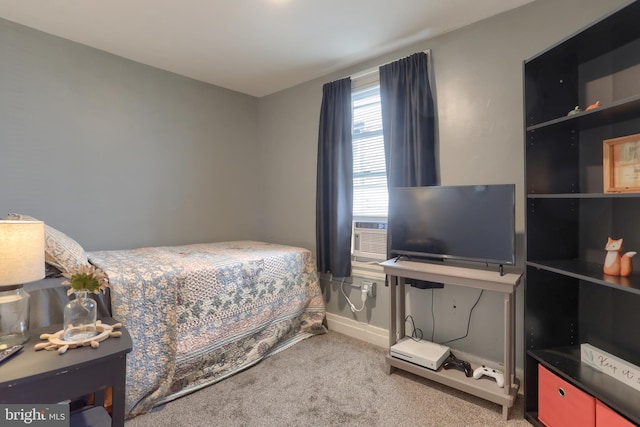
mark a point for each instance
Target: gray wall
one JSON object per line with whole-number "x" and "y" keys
{"x": 118, "y": 154}
{"x": 478, "y": 85}
{"x": 287, "y": 147}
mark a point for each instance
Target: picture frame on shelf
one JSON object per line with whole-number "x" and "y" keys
{"x": 621, "y": 164}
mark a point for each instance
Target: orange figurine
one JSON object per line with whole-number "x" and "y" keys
{"x": 616, "y": 264}
{"x": 593, "y": 106}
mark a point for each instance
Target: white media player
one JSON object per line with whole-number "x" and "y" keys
{"x": 424, "y": 353}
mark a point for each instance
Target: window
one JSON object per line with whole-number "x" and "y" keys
{"x": 370, "y": 195}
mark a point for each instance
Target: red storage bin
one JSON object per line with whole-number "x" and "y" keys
{"x": 562, "y": 405}
{"x": 607, "y": 417}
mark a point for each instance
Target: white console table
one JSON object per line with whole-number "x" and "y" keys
{"x": 506, "y": 284}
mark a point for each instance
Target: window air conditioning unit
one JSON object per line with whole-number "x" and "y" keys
{"x": 370, "y": 240}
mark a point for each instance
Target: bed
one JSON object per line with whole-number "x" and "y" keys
{"x": 198, "y": 313}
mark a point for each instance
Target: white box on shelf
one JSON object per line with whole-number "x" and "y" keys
{"x": 611, "y": 365}
{"x": 424, "y": 353}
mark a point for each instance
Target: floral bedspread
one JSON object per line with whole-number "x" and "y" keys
{"x": 199, "y": 313}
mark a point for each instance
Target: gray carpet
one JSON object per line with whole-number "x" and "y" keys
{"x": 328, "y": 380}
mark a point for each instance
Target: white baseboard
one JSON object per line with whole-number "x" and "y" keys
{"x": 358, "y": 330}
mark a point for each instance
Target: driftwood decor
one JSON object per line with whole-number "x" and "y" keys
{"x": 55, "y": 341}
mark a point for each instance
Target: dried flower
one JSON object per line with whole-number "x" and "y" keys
{"x": 86, "y": 277}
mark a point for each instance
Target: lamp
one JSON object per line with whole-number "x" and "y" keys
{"x": 21, "y": 261}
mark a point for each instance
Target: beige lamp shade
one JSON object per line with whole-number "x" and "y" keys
{"x": 21, "y": 252}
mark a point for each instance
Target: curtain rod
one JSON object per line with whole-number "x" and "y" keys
{"x": 375, "y": 68}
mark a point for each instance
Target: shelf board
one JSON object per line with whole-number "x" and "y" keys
{"x": 489, "y": 279}
{"x": 583, "y": 196}
{"x": 619, "y": 26}
{"x": 484, "y": 387}
{"x": 621, "y": 110}
{"x": 565, "y": 362}
{"x": 590, "y": 272}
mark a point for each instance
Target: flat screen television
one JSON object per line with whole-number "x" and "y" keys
{"x": 466, "y": 222}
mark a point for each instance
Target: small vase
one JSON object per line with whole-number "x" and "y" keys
{"x": 80, "y": 318}
{"x": 14, "y": 315}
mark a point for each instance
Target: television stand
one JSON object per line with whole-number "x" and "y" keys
{"x": 505, "y": 283}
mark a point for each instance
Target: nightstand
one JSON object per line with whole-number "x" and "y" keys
{"x": 41, "y": 377}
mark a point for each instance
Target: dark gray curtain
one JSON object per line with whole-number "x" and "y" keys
{"x": 408, "y": 121}
{"x": 334, "y": 193}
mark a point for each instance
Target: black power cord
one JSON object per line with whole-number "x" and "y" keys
{"x": 416, "y": 333}
{"x": 468, "y": 320}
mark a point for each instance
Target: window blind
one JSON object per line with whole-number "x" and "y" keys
{"x": 370, "y": 195}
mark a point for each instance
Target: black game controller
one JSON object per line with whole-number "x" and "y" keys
{"x": 454, "y": 362}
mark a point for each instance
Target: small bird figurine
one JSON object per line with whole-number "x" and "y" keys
{"x": 574, "y": 111}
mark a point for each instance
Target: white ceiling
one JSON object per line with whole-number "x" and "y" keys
{"x": 256, "y": 47}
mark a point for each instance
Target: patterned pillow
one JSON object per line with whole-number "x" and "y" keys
{"x": 51, "y": 271}
{"x": 60, "y": 250}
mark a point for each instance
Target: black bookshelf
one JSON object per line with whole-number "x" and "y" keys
{"x": 568, "y": 298}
